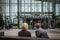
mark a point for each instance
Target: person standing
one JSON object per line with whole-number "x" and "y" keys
{"x": 10, "y": 23}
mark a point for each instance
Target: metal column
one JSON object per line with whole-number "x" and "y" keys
{"x": 18, "y": 12}
{"x": 54, "y": 11}
{"x": 42, "y": 7}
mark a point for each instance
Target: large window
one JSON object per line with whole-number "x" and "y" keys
{"x": 9, "y": 10}
{"x": 35, "y": 6}
{"x": 5, "y": 8}
{"x": 26, "y": 8}
{"x": 57, "y": 9}
{"x": 13, "y": 8}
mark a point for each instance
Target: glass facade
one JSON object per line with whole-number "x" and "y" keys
{"x": 28, "y": 10}
{"x": 57, "y": 9}
{"x": 35, "y": 6}
{"x": 33, "y": 9}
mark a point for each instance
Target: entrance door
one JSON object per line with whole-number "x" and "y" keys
{"x": 32, "y": 21}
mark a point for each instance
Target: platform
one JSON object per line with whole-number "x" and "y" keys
{"x": 52, "y": 33}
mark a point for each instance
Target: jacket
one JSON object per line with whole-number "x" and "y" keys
{"x": 24, "y": 33}
{"x": 41, "y": 33}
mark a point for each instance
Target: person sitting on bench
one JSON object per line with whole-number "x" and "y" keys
{"x": 24, "y": 32}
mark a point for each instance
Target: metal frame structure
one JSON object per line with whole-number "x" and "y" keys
{"x": 19, "y": 8}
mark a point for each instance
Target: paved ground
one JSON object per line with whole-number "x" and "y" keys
{"x": 52, "y": 33}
